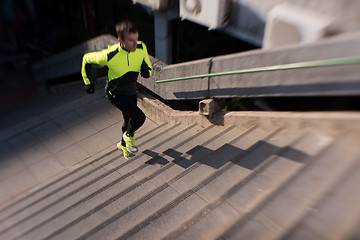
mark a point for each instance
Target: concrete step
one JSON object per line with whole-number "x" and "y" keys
{"x": 287, "y": 206}
{"x": 284, "y": 153}
{"x": 188, "y": 182}
{"x": 100, "y": 163}
{"x": 250, "y": 180}
{"x": 110, "y": 206}
{"x": 335, "y": 217}
{"x": 78, "y": 177}
{"x": 159, "y": 199}
{"x": 32, "y": 212}
{"x": 77, "y": 184}
{"x": 136, "y": 166}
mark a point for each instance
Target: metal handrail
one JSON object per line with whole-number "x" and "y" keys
{"x": 299, "y": 65}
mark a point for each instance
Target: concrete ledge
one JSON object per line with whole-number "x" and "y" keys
{"x": 69, "y": 61}
{"x": 161, "y": 113}
{"x": 339, "y": 80}
{"x": 328, "y": 122}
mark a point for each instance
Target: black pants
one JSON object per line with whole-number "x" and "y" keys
{"x": 133, "y": 116}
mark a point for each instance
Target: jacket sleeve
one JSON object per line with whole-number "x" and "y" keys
{"x": 146, "y": 68}
{"x": 92, "y": 58}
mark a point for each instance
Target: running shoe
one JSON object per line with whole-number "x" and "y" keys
{"x": 130, "y": 143}
{"x": 128, "y": 155}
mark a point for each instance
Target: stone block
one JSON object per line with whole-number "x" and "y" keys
{"x": 289, "y": 24}
{"x": 207, "y": 107}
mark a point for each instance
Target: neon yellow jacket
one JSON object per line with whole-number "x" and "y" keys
{"x": 124, "y": 67}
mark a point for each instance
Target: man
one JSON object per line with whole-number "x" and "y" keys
{"x": 124, "y": 62}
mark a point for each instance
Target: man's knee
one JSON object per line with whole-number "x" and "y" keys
{"x": 141, "y": 118}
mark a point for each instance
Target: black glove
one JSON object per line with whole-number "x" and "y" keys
{"x": 144, "y": 71}
{"x": 90, "y": 88}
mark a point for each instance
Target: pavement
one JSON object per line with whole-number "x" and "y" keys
{"x": 50, "y": 135}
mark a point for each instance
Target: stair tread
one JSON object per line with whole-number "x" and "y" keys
{"x": 187, "y": 181}
{"x": 323, "y": 219}
{"x": 289, "y": 204}
{"x": 98, "y": 165}
{"x": 248, "y": 191}
{"x": 115, "y": 204}
{"x": 78, "y": 186}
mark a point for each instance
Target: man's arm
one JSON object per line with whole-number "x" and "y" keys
{"x": 88, "y": 59}
{"x": 146, "y": 67}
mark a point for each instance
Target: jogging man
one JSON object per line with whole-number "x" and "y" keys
{"x": 124, "y": 62}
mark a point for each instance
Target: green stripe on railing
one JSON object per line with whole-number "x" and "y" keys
{"x": 318, "y": 63}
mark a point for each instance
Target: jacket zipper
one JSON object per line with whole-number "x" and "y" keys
{"x": 128, "y": 59}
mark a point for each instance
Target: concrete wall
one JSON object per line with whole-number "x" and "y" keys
{"x": 69, "y": 61}
{"x": 318, "y": 81}
{"x": 255, "y": 20}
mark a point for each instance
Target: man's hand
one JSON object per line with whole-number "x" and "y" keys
{"x": 90, "y": 88}
{"x": 145, "y": 70}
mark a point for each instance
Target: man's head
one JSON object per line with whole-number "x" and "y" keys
{"x": 128, "y": 35}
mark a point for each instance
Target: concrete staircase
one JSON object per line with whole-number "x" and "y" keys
{"x": 198, "y": 181}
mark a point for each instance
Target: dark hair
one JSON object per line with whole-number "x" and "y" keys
{"x": 125, "y": 27}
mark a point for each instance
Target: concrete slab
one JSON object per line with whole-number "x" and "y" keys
{"x": 72, "y": 155}
{"x": 81, "y": 131}
{"x": 20, "y": 182}
{"x": 58, "y": 142}
{"x": 11, "y": 165}
{"x": 95, "y": 143}
{"x": 54, "y": 139}
{"x": 80, "y": 184}
{"x": 47, "y": 168}
{"x": 34, "y": 154}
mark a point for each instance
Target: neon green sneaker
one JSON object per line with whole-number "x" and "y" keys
{"x": 130, "y": 143}
{"x": 128, "y": 155}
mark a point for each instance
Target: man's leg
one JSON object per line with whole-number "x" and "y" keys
{"x": 125, "y": 126}
{"x": 134, "y": 117}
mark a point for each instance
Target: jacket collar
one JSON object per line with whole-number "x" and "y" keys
{"x": 123, "y": 49}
